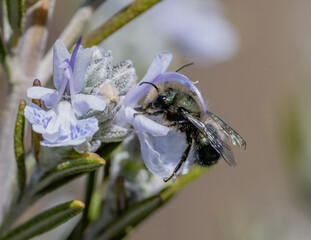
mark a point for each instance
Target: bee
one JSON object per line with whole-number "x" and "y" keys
{"x": 180, "y": 108}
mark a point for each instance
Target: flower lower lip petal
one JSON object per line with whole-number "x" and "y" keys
{"x": 144, "y": 124}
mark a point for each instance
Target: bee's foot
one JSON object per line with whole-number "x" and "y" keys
{"x": 170, "y": 177}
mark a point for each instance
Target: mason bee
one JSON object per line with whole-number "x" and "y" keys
{"x": 181, "y": 109}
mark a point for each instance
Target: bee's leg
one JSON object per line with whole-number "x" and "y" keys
{"x": 183, "y": 159}
{"x": 174, "y": 124}
{"x": 143, "y": 108}
{"x": 140, "y": 109}
{"x": 149, "y": 113}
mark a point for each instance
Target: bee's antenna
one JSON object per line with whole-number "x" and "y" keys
{"x": 186, "y": 65}
{"x": 150, "y": 84}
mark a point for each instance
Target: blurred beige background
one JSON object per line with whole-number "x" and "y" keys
{"x": 257, "y": 199}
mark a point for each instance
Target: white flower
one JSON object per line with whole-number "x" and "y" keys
{"x": 161, "y": 146}
{"x": 60, "y": 126}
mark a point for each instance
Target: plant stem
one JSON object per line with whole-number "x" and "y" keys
{"x": 77, "y": 233}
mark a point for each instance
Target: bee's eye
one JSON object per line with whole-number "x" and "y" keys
{"x": 159, "y": 102}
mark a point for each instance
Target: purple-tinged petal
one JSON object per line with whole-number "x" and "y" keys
{"x": 60, "y": 54}
{"x": 83, "y": 103}
{"x": 83, "y": 58}
{"x": 47, "y": 95}
{"x": 63, "y": 128}
{"x": 80, "y": 131}
{"x": 67, "y": 82}
{"x": 37, "y": 117}
{"x": 84, "y": 128}
{"x": 144, "y": 124}
{"x": 37, "y": 92}
{"x": 177, "y": 77}
{"x": 159, "y": 65}
{"x": 162, "y": 154}
{"x": 74, "y": 53}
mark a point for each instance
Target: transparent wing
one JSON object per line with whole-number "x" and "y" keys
{"x": 210, "y": 133}
{"x": 233, "y": 136}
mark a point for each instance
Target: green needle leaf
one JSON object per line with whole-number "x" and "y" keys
{"x": 117, "y": 21}
{"x": 81, "y": 163}
{"x": 15, "y": 12}
{"x": 19, "y": 146}
{"x": 2, "y": 50}
{"x": 45, "y": 221}
{"x": 193, "y": 174}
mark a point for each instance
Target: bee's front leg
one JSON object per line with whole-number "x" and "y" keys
{"x": 149, "y": 113}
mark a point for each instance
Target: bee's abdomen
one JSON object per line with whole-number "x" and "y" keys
{"x": 205, "y": 154}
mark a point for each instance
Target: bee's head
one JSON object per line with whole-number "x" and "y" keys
{"x": 164, "y": 98}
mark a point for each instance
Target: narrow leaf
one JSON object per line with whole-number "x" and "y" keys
{"x": 15, "y": 11}
{"x": 19, "y": 146}
{"x": 1, "y": 14}
{"x": 77, "y": 232}
{"x": 67, "y": 170}
{"x": 117, "y": 21}
{"x": 2, "y": 51}
{"x": 169, "y": 192}
{"x": 45, "y": 221}
{"x": 36, "y": 137}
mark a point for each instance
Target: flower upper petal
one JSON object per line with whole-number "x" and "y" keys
{"x": 83, "y": 58}
{"x": 144, "y": 124}
{"x": 47, "y": 95}
{"x": 60, "y": 54}
{"x": 177, "y": 77}
{"x": 84, "y": 102}
{"x": 159, "y": 65}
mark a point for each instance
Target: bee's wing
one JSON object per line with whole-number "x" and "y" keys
{"x": 210, "y": 133}
{"x": 233, "y": 136}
